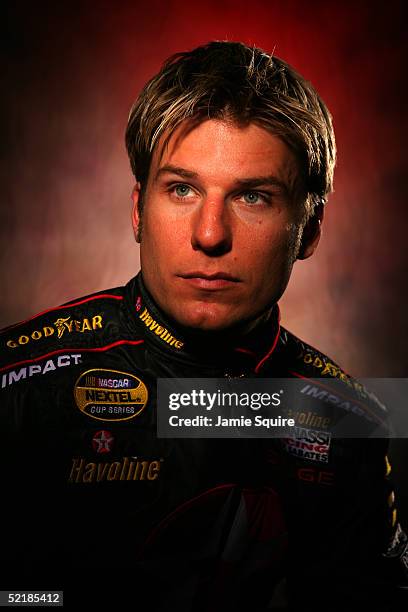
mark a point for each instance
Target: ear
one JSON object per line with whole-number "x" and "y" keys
{"x": 136, "y": 220}
{"x": 312, "y": 232}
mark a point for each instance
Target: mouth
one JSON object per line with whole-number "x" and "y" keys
{"x": 202, "y": 280}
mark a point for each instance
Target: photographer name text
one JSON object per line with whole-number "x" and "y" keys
{"x": 247, "y": 422}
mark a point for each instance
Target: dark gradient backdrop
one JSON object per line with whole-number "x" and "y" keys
{"x": 70, "y": 74}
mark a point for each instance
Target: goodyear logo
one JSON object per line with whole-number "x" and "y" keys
{"x": 109, "y": 395}
{"x": 160, "y": 331}
{"x": 326, "y": 367}
{"x": 60, "y": 327}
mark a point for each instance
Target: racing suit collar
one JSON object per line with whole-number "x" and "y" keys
{"x": 229, "y": 352}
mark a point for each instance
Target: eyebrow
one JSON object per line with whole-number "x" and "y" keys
{"x": 248, "y": 183}
{"x": 176, "y": 170}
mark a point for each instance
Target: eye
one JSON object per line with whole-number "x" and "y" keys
{"x": 181, "y": 190}
{"x": 251, "y": 197}
{"x": 254, "y": 197}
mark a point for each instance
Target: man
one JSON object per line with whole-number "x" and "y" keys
{"x": 233, "y": 154}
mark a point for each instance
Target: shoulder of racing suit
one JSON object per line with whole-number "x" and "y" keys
{"x": 294, "y": 358}
{"x": 90, "y": 323}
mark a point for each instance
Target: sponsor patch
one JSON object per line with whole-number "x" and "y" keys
{"x": 102, "y": 441}
{"x": 309, "y": 444}
{"x": 325, "y": 396}
{"x": 160, "y": 331}
{"x": 48, "y": 365}
{"x": 326, "y": 368}
{"x": 315, "y": 476}
{"x": 109, "y": 395}
{"x": 124, "y": 469}
{"x": 309, "y": 418}
{"x": 60, "y": 327}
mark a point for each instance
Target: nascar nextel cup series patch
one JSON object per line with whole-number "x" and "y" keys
{"x": 110, "y": 395}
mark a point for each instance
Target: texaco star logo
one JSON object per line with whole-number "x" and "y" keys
{"x": 102, "y": 441}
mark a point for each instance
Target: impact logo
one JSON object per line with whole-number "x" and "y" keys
{"x": 109, "y": 395}
{"x": 344, "y": 404}
{"x": 309, "y": 444}
{"x": 61, "y": 327}
{"x": 50, "y": 365}
{"x": 102, "y": 441}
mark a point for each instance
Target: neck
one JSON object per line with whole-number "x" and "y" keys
{"x": 227, "y": 337}
{"x": 164, "y": 333}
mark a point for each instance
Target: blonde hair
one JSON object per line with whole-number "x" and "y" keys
{"x": 229, "y": 80}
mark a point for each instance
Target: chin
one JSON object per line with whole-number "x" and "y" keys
{"x": 207, "y": 317}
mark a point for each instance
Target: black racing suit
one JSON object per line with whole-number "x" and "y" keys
{"x": 96, "y": 504}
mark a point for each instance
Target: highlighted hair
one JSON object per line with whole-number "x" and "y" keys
{"x": 234, "y": 82}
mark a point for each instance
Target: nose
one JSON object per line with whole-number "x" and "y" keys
{"x": 211, "y": 228}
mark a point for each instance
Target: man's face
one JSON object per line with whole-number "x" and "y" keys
{"x": 220, "y": 224}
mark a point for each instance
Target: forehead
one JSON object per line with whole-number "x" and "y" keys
{"x": 225, "y": 150}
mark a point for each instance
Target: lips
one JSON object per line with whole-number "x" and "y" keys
{"x": 215, "y": 281}
{"x": 216, "y": 276}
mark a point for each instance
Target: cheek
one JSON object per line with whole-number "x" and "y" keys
{"x": 163, "y": 243}
{"x": 271, "y": 249}
{"x": 166, "y": 225}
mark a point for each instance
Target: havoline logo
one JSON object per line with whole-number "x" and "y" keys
{"x": 109, "y": 395}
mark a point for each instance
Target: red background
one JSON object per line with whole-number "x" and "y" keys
{"x": 70, "y": 74}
